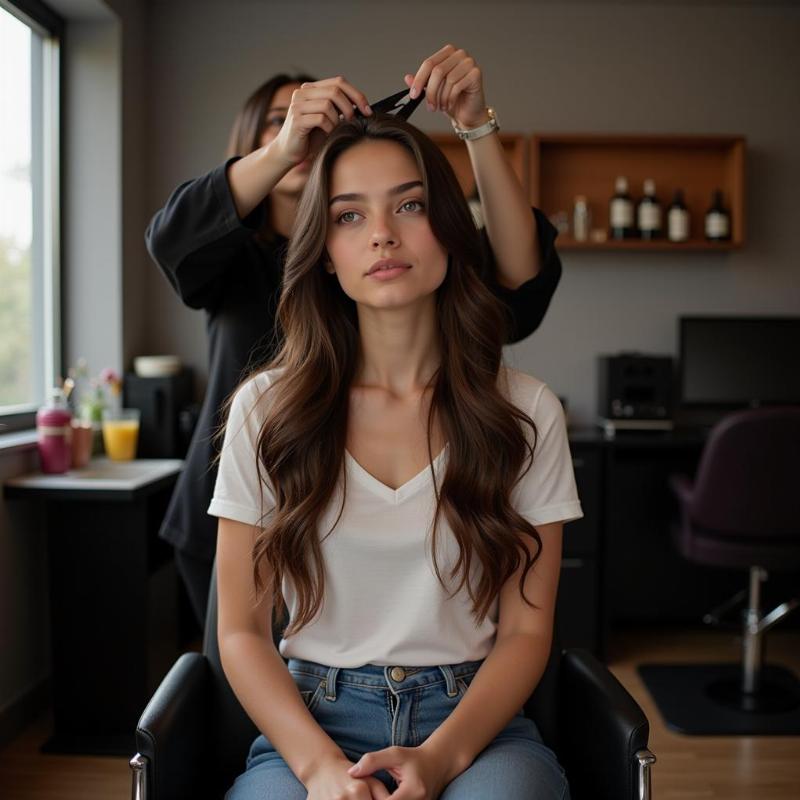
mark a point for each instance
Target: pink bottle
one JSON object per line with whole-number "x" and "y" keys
{"x": 53, "y": 426}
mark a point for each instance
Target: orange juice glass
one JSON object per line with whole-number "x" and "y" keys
{"x": 121, "y": 433}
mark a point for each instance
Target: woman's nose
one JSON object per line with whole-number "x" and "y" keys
{"x": 383, "y": 235}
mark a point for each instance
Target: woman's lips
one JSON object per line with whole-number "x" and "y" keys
{"x": 388, "y": 274}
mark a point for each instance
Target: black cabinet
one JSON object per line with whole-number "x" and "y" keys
{"x": 582, "y": 537}
{"x": 578, "y": 612}
{"x": 113, "y": 592}
{"x": 578, "y": 590}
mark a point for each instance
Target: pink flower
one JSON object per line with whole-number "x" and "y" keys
{"x": 113, "y": 380}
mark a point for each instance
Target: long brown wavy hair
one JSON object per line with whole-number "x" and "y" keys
{"x": 302, "y": 440}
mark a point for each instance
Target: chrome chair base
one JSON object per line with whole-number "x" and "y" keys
{"x": 771, "y": 698}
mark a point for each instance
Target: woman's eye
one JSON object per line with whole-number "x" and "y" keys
{"x": 275, "y": 122}
{"x": 415, "y": 204}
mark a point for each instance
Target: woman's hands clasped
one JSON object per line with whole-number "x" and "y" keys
{"x": 315, "y": 110}
{"x": 419, "y": 773}
{"x": 332, "y": 781}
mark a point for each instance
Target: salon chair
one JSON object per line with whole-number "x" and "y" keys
{"x": 193, "y": 736}
{"x": 742, "y": 512}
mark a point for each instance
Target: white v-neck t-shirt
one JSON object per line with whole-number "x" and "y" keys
{"x": 383, "y": 603}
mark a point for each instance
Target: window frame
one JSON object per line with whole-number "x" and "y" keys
{"x": 46, "y": 174}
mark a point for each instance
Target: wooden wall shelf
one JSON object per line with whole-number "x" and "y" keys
{"x": 565, "y": 165}
{"x": 566, "y": 242}
{"x": 515, "y": 145}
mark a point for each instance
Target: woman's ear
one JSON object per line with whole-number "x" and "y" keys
{"x": 328, "y": 264}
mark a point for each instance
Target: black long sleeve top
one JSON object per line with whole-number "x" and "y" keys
{"x": 214, "y": 261}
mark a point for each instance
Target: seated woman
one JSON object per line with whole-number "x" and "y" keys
{"x": 403, "y": 493}
{"x": 221, "y": 242}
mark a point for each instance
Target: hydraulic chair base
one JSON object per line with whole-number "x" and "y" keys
{"x": 707, "y": 699}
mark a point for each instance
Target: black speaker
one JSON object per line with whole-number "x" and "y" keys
{"x": 161, "y": 401}
{"x": 635, "y": 389}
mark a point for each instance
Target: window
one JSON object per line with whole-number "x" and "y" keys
{"x": 30, "y": 342}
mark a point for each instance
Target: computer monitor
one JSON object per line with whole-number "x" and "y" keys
{"x": 738, "y": 362}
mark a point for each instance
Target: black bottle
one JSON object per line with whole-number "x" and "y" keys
{"x": 718, "y": 220}
{"x": 678, "y": 219}
{"x": 620, "y": 212}
{"x": 648, "y": 213}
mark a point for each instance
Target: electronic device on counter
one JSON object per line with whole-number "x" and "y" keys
{"x": 162, "y": 400}
{"x": 635, "y": 392}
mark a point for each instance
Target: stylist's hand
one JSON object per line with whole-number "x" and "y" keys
{"x": 313, "y": 113}
{"x": 419, "y": 774}
{"x": 331, "y": 781}
{"x": 453, "y": 83}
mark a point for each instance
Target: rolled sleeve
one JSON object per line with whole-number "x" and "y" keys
{"x": 238, "y": 492}
{"x": 196, "y": 239}
{"x": 547, "y": 492}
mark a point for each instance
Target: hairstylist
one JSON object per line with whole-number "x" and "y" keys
{"x": 221, "y": 242}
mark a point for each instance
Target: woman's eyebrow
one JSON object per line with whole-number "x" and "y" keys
{"x": 403, "y": 187}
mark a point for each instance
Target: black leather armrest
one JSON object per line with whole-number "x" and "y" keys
{"x": 602, "y": 729}
{"x": 682, "y": 487}
{"x": 172, "y": 731}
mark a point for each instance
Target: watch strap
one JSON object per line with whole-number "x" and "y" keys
{"x": 471, "y": 134}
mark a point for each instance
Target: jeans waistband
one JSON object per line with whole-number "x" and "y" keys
{"x": 395, "y": 678}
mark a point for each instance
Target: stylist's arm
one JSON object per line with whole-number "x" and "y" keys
{"x": 314, "y": 111}
{"x": 453, "y": 83}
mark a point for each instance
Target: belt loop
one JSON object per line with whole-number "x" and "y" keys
{"x": 330, "y": 683}
{"x": 450, "y": 679}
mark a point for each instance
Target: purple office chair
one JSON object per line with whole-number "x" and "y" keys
{"x": 743, "y": 511}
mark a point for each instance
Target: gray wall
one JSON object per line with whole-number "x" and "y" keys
{"x": 693, "y": 68}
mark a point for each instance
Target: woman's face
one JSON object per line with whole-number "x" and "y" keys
{"x": 377, "y": 211}
{"x": 294, "y": 181}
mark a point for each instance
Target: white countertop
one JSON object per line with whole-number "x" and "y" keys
{"x": 103, "y": 473}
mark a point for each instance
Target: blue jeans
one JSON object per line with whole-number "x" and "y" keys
{"x": 373, "y": 707}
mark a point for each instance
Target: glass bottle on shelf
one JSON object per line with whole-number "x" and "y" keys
{"x": 620, "y": 211}
{"x": 581, "y": 219}
{"x": 648, "y": 212}
{"x": 678, "y": 219}
{"x": 718, "y": 220}
{"x": 560, "y": 221}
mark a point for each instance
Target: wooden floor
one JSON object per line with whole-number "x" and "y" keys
{"x": 717, "y": 767}
{"x": 688, "y": 767}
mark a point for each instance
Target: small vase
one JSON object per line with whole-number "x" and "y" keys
{"x": 82, "y": 441}
{"x": 92, "y": 414}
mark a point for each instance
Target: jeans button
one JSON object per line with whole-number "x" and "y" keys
{"x": 398, "y": 674}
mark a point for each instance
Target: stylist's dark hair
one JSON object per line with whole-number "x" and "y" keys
{"x": 249, "y": 125}
{"x": 302, "y": 440}
{"x": 251, "y": 120}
